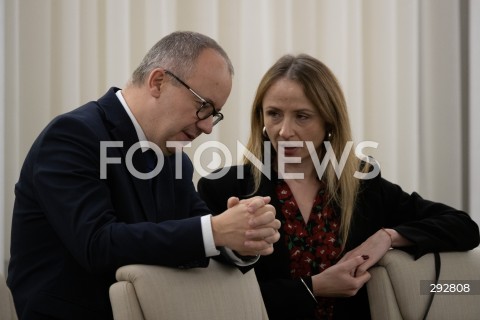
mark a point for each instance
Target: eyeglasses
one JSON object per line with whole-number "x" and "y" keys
{"x": 206, "y": 108}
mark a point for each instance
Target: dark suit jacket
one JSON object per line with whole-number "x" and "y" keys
{"x": 431, "y": 226}
{"x": 71, "y": 229}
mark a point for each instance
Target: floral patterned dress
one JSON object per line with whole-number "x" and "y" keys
{"x": 313, "y": 245}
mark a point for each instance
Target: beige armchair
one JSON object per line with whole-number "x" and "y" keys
{"x": 218, "y": 292}
{"x": 7, "y": 308}
{"x": 394, "y": 289}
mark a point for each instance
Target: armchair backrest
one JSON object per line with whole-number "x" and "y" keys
{"x": 218, "y": 292}
{"x": 394, "y": 290}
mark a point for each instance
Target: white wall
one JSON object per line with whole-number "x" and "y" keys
{"x": 3, "y": 216}
{"x": 399, "y": 62}
{"x": 474, "y": 110}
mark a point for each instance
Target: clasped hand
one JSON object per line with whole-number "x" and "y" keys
{"x": 248, "y": 226}
{"x": 350, "y": 273}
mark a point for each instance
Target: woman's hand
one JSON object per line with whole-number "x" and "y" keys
{"x": 341, "y": 279}
{"x": 375, "y": 247}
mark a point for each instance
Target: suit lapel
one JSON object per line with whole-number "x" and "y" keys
{"x": 121, "y": 129}
{"x": 165, "y": 195}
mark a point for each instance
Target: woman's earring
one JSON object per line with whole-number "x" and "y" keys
{"x": 264, "y": 133}
{"x": 329, "y": 136}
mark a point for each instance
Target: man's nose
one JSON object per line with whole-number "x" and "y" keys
{"x": 206, "y": 125}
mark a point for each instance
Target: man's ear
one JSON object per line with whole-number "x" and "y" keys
{"x": 155, "y": 81}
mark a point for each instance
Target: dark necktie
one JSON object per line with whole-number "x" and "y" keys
{"x": 151, "y": 159}
{"x": 162, "y": 185}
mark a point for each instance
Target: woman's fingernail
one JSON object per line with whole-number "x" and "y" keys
{"x": 365, "y": 257}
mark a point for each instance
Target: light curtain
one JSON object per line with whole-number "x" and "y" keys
{"x": 407, "y": 68}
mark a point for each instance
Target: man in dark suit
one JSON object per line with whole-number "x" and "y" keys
{"x": 89, "y": 198}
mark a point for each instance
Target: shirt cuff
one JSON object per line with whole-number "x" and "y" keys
{"x": 241, "y": 262}
{"x": 207, "y": 233}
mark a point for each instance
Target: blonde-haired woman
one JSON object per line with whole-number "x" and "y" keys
{"x": 337, "y": 219}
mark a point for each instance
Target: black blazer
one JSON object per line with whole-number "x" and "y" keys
{"x": 431, "y": 226}
{"x": 72, "y": 229}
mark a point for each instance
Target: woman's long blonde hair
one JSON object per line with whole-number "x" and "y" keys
{"x": 323, "y": 90}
